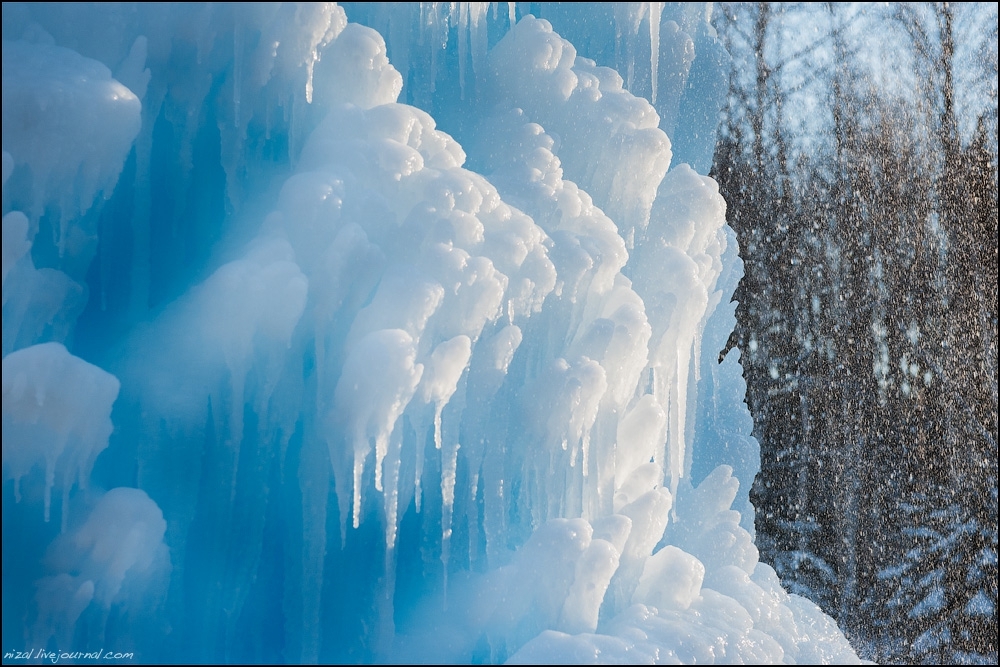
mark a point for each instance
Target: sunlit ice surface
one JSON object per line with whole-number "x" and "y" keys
{"x": 384, "y": 339}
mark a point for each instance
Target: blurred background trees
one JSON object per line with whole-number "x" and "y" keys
{"x": 858, "y": 157}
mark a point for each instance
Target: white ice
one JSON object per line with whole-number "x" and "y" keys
{"x": 523, "y": 359}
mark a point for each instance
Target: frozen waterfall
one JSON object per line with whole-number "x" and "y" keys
{"x": 313, "y": 381}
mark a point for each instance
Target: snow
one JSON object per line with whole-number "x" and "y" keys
{"x": 492, "y": 365}
{"x": 932, "y": 603}
{"x": 980, "y": 605}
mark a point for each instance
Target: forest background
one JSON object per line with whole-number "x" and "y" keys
{"x": 858, "y": 157}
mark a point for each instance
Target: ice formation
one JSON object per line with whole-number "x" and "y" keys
{"x": 382, "y": 396}
{"x": 46, "y": 424}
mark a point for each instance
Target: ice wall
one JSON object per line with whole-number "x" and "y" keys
{"x": 351, "y": 390}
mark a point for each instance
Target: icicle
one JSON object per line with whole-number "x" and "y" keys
{"x": 439, "y": 37}
{"x": 655, "y": 10}
{"x": 390, "y": 495}
{"x": 64, "y": 523}
{"x": 310, "y": 67}
{"x": 697, "y": 344}
{"x": 424, "y": 20}
{"x": 237, "y": 70}
{"x": 628, "y": 17}
{"x": 386, "y": 630}
{"x": 63, "y": 232}
{"x": 512, "y": 13}
{"x": 359, "y": 469}
{"x": 449, "y": 467}
{"x": 472, "y": 518}
{"x": 679, "y": 407}
{"x": 314, "y": 484}
{"x": 319, "y": 351}
{"x": 237, "y": 382}
{"x": 419, "y": 465}
{"x": 381, "y": 449}
{"x": 50, "y": 481}
{"x": 494, "y": 502}
{"x": 383, "y": 359}
{"x": 339, "y": 465}
{"x": 463, "y": 44}
{"x": 479, "y": 39}
{"x": 294, "y": 138}
{"x": 438, "y": 408}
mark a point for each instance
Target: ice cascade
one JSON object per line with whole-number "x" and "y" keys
{"x": 319, "y": 381}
